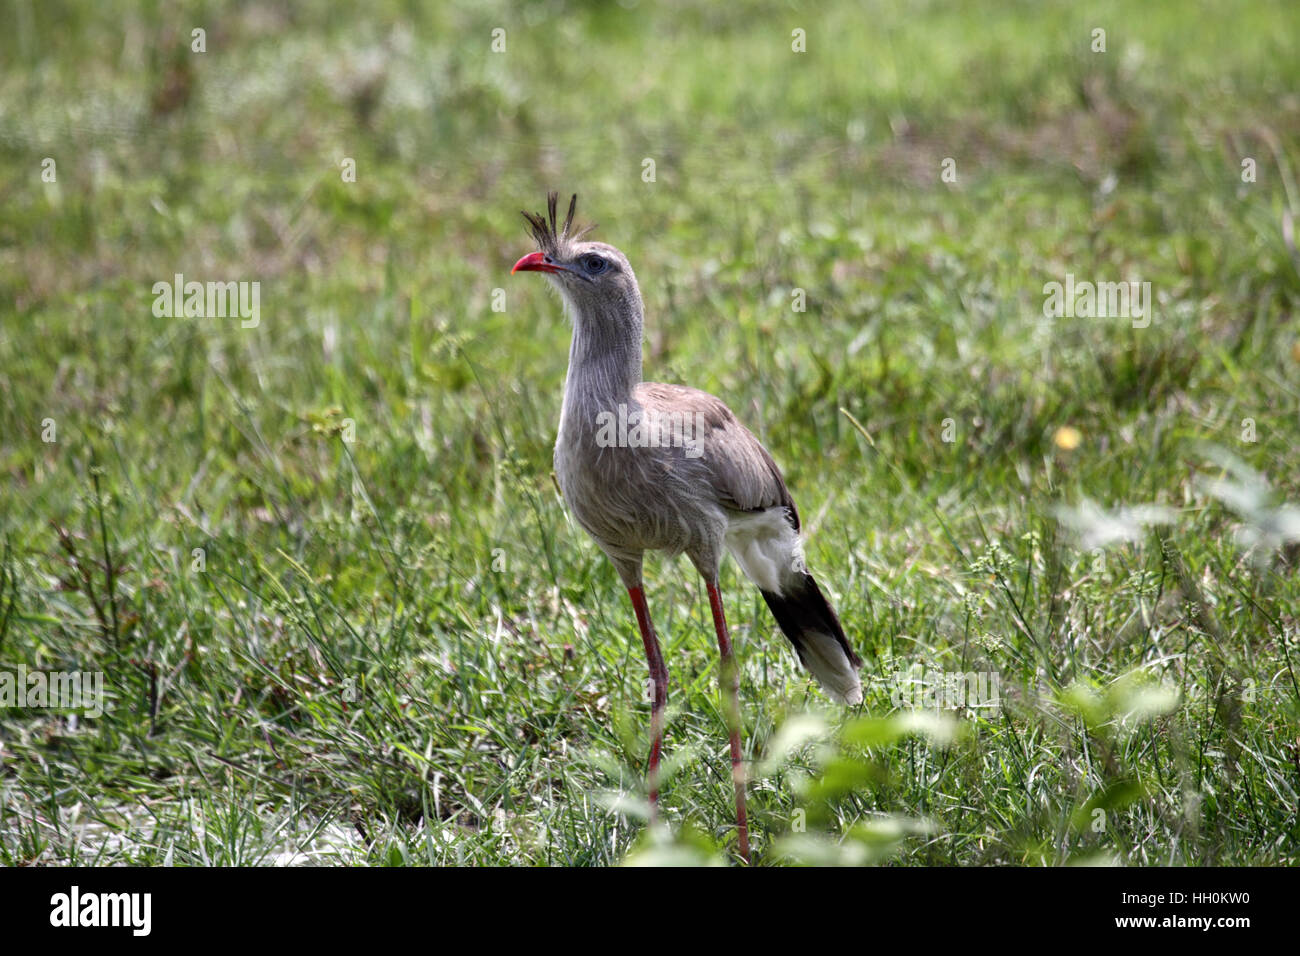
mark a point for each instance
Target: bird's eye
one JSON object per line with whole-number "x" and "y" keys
{"x": 594, "y": 264}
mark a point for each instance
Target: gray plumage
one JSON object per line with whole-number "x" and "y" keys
{"x": 722, "y": 491}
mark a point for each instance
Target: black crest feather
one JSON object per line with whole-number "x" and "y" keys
{"x": 546, "y": 230}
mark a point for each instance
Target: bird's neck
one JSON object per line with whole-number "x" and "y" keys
{"x": 604, "y": 359}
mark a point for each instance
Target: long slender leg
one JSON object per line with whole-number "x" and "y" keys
{"x": 730, "y": 680}
{"x": 658, "y": 690}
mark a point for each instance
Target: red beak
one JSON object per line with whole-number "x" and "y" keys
{"x": 534, "y": 262}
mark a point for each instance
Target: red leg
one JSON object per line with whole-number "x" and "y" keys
{"x": 730, "y": 679}
{"x": 658, "y": 690}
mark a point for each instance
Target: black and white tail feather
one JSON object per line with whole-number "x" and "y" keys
{"x": 766, "y": 545}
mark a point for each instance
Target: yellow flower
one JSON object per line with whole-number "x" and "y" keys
{"x": 1067, "y": 437}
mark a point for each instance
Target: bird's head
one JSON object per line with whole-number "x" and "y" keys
{"x": 593, "y": 277}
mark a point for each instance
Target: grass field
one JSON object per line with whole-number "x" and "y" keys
{"x": 321, "y": 563}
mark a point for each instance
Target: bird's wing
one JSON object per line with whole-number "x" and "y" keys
{"x": 739, "y": 469}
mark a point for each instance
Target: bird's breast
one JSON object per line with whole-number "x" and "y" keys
{"x": 630, "y": 495}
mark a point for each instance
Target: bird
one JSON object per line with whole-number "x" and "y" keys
{"x": 650, "y": 467}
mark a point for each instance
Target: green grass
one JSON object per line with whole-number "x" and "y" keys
{"x": 399, "y": 649}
